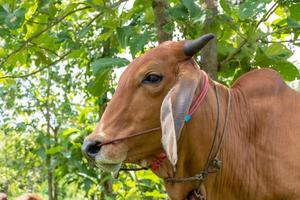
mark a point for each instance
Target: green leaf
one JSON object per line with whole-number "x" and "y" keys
{"x": 169, "y": 27}
{"x": 275, "y": 57}
{"x": 295, "y": 11}
{"x": 4, "y": 32}
{"x": 63, "y": 36}
{"x": 40, "y": 152}
{"x": 44, "y": 5}
{"x": 107, "y": 63}
{"x": 76, "y": 53}
{"x": 15, "y": 20}
{"x": 155, "y": 194}
{"x": 293, "y": 23}
{"x": 279, "y": 22}
{"x": 42, "y": 59}
{"x": 224, "y": 48}
{"x": 31, "y": 7}
{"x": 18, "y": 59}
{"x": 105, "y": 36}
{"x": 54, "y": 150}
{"x": 133, "y": 194}
{"x": 74, "y": 136}
{"x": 225, "y": 6}
{"x": 67, "y": 154}
{"x": 137, "y": 43}
{"x": 251, "y": 7}
{"x": 87, "y": 184}
{"x": 70, "y": 7}
{"x": 34, "y": 28}
{"x": 179, "y": 13}
{"x": 297, "y": 43}
{"x": 99, "y": 86}
{"x": 288, "y": 70}
{"x": 280, "y": 11}
{"x": 52, "y": 9}
{"x": 149, "y": 15}
{"x": 2, "y": 52}
{"x": 3, "y": 14}
{"x": 278, "y": 51}
{"x": 69, "y": 131}
{"x": 47, "y": 41}
{"x": 123, "y": 35}
{"x": 87, "y": 176}
{"x": 102, "y": 69}
{"x": 192, "y": 7}
{"x": 148, "y": 175}
{"x": 83, "y": 32}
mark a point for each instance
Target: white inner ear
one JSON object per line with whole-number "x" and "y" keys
{"x": 168, "y": 139}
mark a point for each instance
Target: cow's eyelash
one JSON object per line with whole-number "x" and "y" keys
{"x": 152, "y": 78}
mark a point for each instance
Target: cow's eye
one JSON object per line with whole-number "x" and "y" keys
{"x": 152, "y": 78}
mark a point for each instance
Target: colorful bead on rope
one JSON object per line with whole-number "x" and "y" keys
{"x": 187, "y": 118}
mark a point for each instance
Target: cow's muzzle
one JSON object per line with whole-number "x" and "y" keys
{"x": 91, "y": 148}
{"x": 108, "y": 159}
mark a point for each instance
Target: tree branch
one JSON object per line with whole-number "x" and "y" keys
{"x": 279, "y": 30}
{"x": 33, "y": 22}
{"x": 25, "y": 43}
{"x": 48, "y": 156}
{"x": 118, "y": 3}
{"x": 267, "y": 14}
{"x": 236, "y": 51}
{"x": 44, "y": 48}
{"x": 281, "y": 41}
{"x": 90, "y": 22}
{"x": 37, "y": 71}
{"x": 245, "y": 41}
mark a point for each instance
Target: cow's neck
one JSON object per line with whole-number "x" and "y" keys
{"x": 196, "y": 139}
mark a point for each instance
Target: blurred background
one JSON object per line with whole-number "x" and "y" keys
{"x": 60, "y": 61}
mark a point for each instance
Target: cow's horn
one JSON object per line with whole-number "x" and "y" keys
{"x": 193, "y": 46}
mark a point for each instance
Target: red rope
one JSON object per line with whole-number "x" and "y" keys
{"x": 200, "y": 97}
{"x": 130, "y": 136}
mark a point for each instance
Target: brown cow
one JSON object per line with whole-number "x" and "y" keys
{"x": 29, "y": 196}
{"x": 3, "y": 196}
{"x": 260, "y": 150}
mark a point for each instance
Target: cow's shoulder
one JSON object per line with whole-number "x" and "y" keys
{"x": 261, "y": 82}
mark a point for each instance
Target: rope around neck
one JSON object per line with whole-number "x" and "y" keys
{"x": 214, "y": 163}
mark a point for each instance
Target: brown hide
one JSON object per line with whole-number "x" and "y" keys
{"x": 3, "y": 196}
{"x": 29, "y": 196}
{"x": 261, "y": 149}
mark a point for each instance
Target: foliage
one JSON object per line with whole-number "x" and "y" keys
{"x": 57, "y": 72}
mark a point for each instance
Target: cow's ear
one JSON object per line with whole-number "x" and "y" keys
{"x": 176, "y": 105}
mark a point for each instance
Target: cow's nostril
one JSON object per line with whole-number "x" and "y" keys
{"x": 91, "y": 148}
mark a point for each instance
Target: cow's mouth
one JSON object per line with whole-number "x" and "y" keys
{"x": 109, "y": 167}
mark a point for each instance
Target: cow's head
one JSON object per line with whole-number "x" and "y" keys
{"x": 155, "y": 90}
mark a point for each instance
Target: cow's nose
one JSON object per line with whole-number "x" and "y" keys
{"x": 91, "y": 148}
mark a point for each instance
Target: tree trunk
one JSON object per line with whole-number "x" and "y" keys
{"x": 55, "y": 181}
{"x": 209, "y": 58}
{"x": 50, "y": 189}
{"x": 107, "y": 185}
{"x": 55, "y": 186}
{"x": 48, "y": 157}
{"x": 161, "y": 19}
